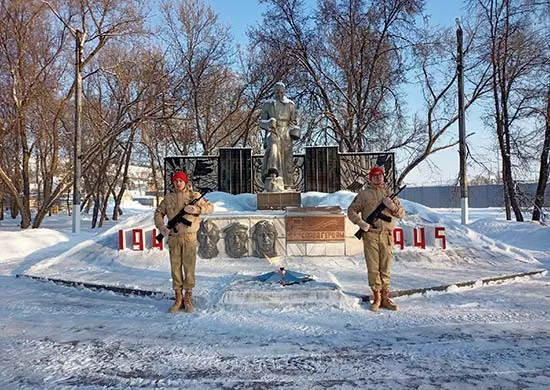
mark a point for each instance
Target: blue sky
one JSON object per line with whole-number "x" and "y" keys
{"x": 241, "y": 14}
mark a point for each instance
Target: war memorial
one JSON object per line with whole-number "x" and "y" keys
{"x": 282, "y": 225}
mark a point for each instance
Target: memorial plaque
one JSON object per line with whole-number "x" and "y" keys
{"x": 322, "y": 169}
{"x": 311, "y": 224}
{"x": 235, "y": 170}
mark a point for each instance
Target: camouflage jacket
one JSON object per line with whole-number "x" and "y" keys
{"x": 173, "y": 202}
{"x": 366, "y": 201}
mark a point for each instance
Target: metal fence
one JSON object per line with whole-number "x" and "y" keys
{"x": 480, "y": 196}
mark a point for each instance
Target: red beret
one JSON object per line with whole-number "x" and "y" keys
{"x": 376, "y": 171}
{"x": 180, "y": 175}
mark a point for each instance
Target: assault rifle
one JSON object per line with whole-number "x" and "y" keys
{"x": 377, "y": 214}
{"x": 179, "y": 218}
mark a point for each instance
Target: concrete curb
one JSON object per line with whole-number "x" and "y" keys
{"x": 495, "y": 280}
{"x": 364, "y": 298}
{"x": 101, "y": 287}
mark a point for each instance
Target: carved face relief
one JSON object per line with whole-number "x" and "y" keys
{"x": 236, "y": 240}
{"x": 264, "y": 238}
{"x": 208, "y": 236}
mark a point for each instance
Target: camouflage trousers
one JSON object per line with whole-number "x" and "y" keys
{"x": 378, "y": 248}
{"x": 183, "y": 259}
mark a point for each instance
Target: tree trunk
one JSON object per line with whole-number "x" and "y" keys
{"x": 124, "y": 180}
{"x": 502, "y": 148}
{"x": 46, "y": 207}
{"x": 507, "y": 209}
{"x": 14, "y": 209}
{"x": 509, "y": 187}
{"x": 104, "y": 210}
{"x": 154, "y": 176}
{"x": 95, "y": 212}
{"x": 25, "y": 176}
{"x": 501, "y": 94}
{"x": 543, "y": 171}
{"x": 68, "y": 201}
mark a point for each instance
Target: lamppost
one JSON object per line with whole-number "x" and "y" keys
{"x": 79, "y": 45}
{"x": 461, "y": 128}
{"x": 79, "y": 37}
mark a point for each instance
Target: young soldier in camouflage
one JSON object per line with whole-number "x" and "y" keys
{"x": 182, "y": 240}
{"x": 377, "y": 239}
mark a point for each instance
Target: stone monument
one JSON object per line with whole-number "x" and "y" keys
{"x": 278, "y": 120}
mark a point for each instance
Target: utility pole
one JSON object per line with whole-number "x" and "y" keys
{"x": 79, "y": 44}
{"x": 461, "y": 128}
{"x": 79, "y": 37}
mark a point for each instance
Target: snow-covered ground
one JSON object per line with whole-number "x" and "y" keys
{"x": 316, "y": 335}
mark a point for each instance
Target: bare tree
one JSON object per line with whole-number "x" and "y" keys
{"x": 26, "y": 57}
{"x": 35, "y": 44}
{"x": 209, "y": 97}
{"x": 435, "y": 57}
{"x": 516, "y": 59}
{"x": 348, "y": 61}
{"x": 123, "y": 95}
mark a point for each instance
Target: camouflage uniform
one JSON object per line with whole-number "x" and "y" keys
{"x": 183, "y": 243}
{"x": 378, "y": 240}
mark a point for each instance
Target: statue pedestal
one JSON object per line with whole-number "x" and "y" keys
{"x": 278, "y": 200}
